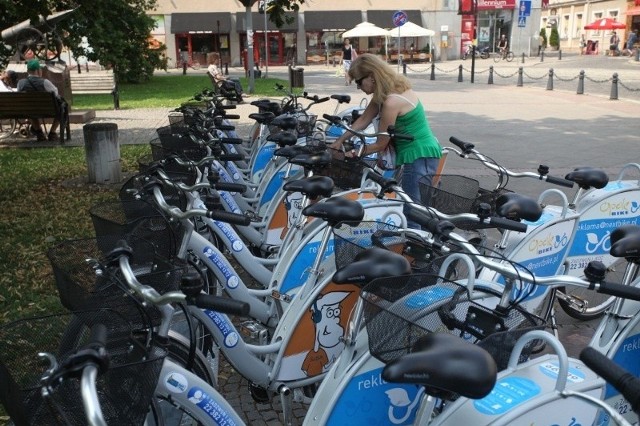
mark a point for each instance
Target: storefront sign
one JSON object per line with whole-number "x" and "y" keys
{"x": 496, "y": 4}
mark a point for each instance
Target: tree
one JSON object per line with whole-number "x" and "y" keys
{"x": 543, "y": 38}
{"x": 554, "y": 38}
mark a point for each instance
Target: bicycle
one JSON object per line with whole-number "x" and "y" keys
{"x": 7, "y": 127}
{"x": 593, "y": 201}
{"x": 504, "y": 55}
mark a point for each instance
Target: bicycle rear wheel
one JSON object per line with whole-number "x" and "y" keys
{"x": 7, "y": 127}
{"x": 509, "y": 57}
{"x": 497, "y": 56}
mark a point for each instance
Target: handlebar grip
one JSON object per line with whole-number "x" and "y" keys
{"x": 464, "y": 146}
{"x": 332, "y": 118}
{"x": 225, "y": 127}
{"x": 618, "y": 377}
{"x": 222, "y": 304}
{"x": 230, "y": 106}
{"x": 511, "y": 225}
{"x": 619, "y": 290}
{"x": 232, "y": 116}
{"x": 98, "y": 336}
{"x": 234, "y": 218}
{"x": 559, "y": 181}
{"x": 230, "y": 187}
{"x": 231, "y": 157}
{"x": 321, "y": 100}
{"x": 231, "y": 141}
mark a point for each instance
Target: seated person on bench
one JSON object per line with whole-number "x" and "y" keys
{"x": 226, "y": 86}
{"x": 35, "y": 83}
{"x": 8, "y": 81}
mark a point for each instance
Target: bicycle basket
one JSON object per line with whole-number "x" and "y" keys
{"x": 119, "y": 219}
{"x": 352, "y": 239}
{"x": 133, "y": 189}
{"x": 345, "y": 172}
{"x": 306, "y": 124}
{"x": 449, "y": 194}
{"x": 188, "y": 151}
{"x": 496, "y": 332}
{"x": 400, "y": 310}
{"x": 83, "y": 282}
{"x": 125, "y": 389}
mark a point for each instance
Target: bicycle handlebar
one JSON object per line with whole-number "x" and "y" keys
{"x": 625, "y": 382}
{"x": 468, "y": 148}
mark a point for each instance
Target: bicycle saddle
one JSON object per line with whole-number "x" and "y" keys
{"x": 588, "y": 177}
{"x": 445, "y": 364}
{"x": 342, "y": 99}
{"x": 289, "y": 152}
{"x": 262, "y": 118}
{"x": 336, "y": 209}
{"x": 370, "y": 264}
{"x": 285, "y": 122}
{"x": 518, "y": 207}
{"x": 312, "y": 187}
{"x": 283, "y": 139}
{"x": 625, "y": 242}
{"x": 321, "y": 159}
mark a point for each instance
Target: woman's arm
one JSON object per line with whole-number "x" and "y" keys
{"x": 390, "y": 111}
{"x": 361, "y": 123}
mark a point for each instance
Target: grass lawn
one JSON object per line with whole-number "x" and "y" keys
{"x": 167, "y": 91}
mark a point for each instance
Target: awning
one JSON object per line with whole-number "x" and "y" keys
{"x": 383, "y": 18}
{"x": 632, "y": 11}
{"x": 185, "y": 22}
{"x": 343, "y": 20}
{"x": 258, "y": 22}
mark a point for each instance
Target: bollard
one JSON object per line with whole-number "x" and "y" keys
{"x": 460, "y": 73}
{"x": 542, "y": 56}
{"x": 559, "y": 55}
{"x": 523, "y": 57}
{"x": 226, "y": 68}
{"x": 520, "y": 72}
{"x": 581, "y": 83}
{"x": 637, "y": 54}
{"x": 404, "y": 68}
{"x": 184, "y": 68}
{"x": 550, "y": 81}
{"x": 490, "y": 75}
{"x": 79, "y": 69}
{"x": 614, "y": 87}
{"x": 102, "y": 152}
{"x": 433, "y": 71}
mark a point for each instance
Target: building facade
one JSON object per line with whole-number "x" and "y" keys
{"x": 191, "y": 29}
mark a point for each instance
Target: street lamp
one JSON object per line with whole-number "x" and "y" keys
{"x": 470, "y": 7}
{"x": 250, "y": 64}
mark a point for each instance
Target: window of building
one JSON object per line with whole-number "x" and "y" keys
{"x": 596, "y": 16}
{"x": 564, "y": 27}
{"x": 578, "y": 25}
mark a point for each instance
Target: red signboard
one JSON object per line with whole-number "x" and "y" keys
{"x": 496, "y": 4}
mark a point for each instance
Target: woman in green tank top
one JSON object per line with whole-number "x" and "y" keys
{"x": 395, "y": 103}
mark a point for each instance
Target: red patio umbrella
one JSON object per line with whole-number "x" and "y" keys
{"x": 605, "y": 24}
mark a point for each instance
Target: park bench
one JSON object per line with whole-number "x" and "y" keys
{"x": 96, "y": 82}
{"x": 226, "y": 90}
{"x": 40, "y": 105}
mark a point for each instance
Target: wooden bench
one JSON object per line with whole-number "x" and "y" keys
{"x": 229, "y": 93}
{"x": 95, "y": 82}
{"x": 39, "y": 105}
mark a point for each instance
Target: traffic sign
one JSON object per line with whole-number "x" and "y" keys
{"x": 525, "y": 8}
{"x": 522, "y": 21}
{"x": 400, "y": 18}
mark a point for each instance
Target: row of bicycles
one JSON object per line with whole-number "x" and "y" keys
{"x": 292, "y": 264}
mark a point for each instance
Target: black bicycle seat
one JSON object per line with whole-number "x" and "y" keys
{"x": 336, "y": 209}
{"x": 625, "y": 242}
{"x": 312, "y": 187}
{"x": 518, "y": 207}
{"x": 588, "y": 177}
{"x": 374, "y": 262}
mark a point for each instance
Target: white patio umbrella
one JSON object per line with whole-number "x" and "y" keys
{"x": 365, "y": 29}
{"x": 409, "y": 29}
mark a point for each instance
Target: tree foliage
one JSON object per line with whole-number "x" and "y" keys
{"x": 117, "y": 32}
{"x": 554, "y": 38}
{"x": 543, "y": 37}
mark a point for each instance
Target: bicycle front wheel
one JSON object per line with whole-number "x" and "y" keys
{"x": 509, "y": 57}
{"x": 7, "y": 127}
{"x": 497, "y": 56}
{"x": 584, "y": 304}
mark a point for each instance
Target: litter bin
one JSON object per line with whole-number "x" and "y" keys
{"x": 102, "y": 152}
{"x": 296, "y": 77}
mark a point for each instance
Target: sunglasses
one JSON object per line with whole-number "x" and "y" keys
{"x": 359, "y": 81}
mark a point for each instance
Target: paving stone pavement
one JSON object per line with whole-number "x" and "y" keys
{"x": 520, "y": 127}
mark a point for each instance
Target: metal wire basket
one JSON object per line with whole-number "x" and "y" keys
{"x": 306, "y": 124}
{"x": 400, "y": 310}
{"x": 449, "y": 194}
{"x": 346, "y": 172}
{"x": 85, "y": 283}
{"x": 352, "y": 239}
{"x": 125, "y": 389}
{"x": 187, "y": 151}
{"x": 113, "y": 220}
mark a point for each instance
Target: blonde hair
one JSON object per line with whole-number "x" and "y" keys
{"x": 213, "y": 58}
{"x": 387, "y": 80}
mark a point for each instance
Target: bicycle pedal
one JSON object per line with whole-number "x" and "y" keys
{"x": 254, "y": 331}
{"x": 259, "y": 394}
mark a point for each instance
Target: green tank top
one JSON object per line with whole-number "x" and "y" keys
{"x": 424, "y": 143}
